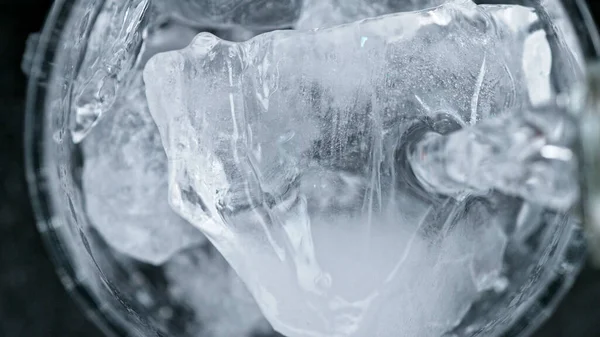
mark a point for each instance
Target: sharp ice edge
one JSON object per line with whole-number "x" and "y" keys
{"x": 125, "y": 189}
{"x": 121, "y": 41}
{"x": 475, "y": 99}
{"x": 110, "y": 58}
{"x": 219, "y": 106}
{"x": 125, "y": 184}
{"x": 518, "y": 154}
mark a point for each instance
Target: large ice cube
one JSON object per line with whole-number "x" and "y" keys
{"x": 257, "y": 14}
{"x": 536, "y": 50}
{"x": 284, "y": 150}
{"x": 125, "y": 184}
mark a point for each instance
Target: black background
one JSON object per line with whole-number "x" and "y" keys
{"x": 33, "y": 303}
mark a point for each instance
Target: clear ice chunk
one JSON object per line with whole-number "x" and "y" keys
{"x": 111, "y": 54}
{"x": 201, "y": 279}
{"x": 537, "y": 56}
{"x": 125, "y": 34}
{"x": 253, "y": 14}
{"x": 163, "y": 35}
{"x": 535, "y": 53}
{"x": 288, "y": 152}
{"x": 125, "y": 184}
{"x": 329, "y": 13}
{"x": 526, "y": 155}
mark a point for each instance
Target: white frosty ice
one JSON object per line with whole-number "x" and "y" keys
{"x": 537, "y": 62}
{"x": 125, "y": 184}
{"x": 283, "y": 150}
{"x": 201, "y": 279}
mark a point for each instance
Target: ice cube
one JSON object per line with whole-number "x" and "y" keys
{"x": 535, "y": 53}
{"x": 202, "y": 280}
{"x": 329, "y": 13}
{"x": 520, "y": 154}
{"x": 113, "y": 44}
{"x": 479, "y": 242}
{"x": 125, "y": 184}
{"x": 283, "y": 150}
{"x": 255, "y": 14}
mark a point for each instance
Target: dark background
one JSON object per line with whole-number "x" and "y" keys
{"x": 33, "y": 303}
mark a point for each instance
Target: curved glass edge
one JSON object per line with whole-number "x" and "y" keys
{"x": 584, "y": 27}
{"x": 88, "y": 270}
{"x": 588, "y": 142}
{"x": 572, "y": 253}
{"x": 39, "y": 174}
{"x": 568, "y": 251}
{"x": 578, "y": 246}
{"x": 589, "y": 154}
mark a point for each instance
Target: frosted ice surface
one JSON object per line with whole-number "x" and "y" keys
{"x": 283, "y": 151}
{"x": 537, "y": 62}
{"x": 535, "y": 54}
{"x": 125, "y": 184}
{"x": 329, "y": 13}
{"x": 202, "y": 279}
{"x": 536, "y": 50}
{"x": 509, "y": 153}
{"x": 260, "y": 14}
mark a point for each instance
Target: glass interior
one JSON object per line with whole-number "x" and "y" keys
{"x": 128, "y": 296}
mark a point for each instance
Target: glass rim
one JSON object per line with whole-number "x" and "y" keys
{"x": 36, "y": 170}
